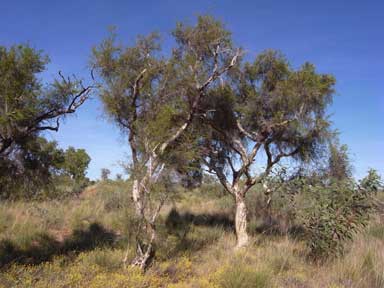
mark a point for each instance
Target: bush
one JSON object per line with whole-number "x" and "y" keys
{"x": 336, "y": 213}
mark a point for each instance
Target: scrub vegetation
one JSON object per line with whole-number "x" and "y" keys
{"x": 236, "y": 177}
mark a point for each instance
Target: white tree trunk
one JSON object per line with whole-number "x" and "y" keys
{"x": 145, "y": 244}
{"x": 145, "y": 253}
{"x": 136, "y": 195}
{"x": 241, "y": 222}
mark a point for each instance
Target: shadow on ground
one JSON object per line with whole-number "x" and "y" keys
{"x": 194, "y": 231}
{"x": 176, "y": 220}
{"x": 44, "y": 246}
{"x": 274, "y": 226}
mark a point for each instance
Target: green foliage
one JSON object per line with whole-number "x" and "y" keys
{"x": 154, "y": 97}
{"x": 150, "y": 95}
{"x": 325, "y": 212}
{"x": 336, "y": 213}
{"x": 339, "y": 167}
{"x": 33, "y": 169}
{"x": 44, "y": 170}
{"x": 76, "y": 162}
{"x": 372, "y": 182}
{"x": 271, "y": 101}
{"x": 27, "y": 107}
{"x": 266, "y": 114}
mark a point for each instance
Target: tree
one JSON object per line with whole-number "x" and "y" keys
{"x": 372, "y": 181}
{"x": 155, "y": 99}
{"x": 27, "y": 107}
{"x": 339, "y": 166}
{"x": 76, "y": 162}
{"x": 105, "y": 172}
{"x": 30, "y": 169}
{"x": 334, "y": 211}
{"x": 267, "y": 108}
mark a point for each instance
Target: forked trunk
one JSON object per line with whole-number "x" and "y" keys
{"x": 144, "y": 256}
{"x": 145, "y": 250}
{"x": 241, "y": 222}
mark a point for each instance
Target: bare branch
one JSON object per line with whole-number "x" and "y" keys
{"x": 136, "y": 86}
{"x": 52, "y": 128}
{"x": 76, "y": 102}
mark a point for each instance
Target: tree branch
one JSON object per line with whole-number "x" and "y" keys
{"x": 220, "y": 175}
{"x": 195, "y": 104}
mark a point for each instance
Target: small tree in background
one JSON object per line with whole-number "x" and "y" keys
{"x": 105, "y": 172}
{"x": 30, "y": 170}
{"x": 268, "y": 108}
{"x": 76, "y": 162}
{"x": 372, "y": 181}
{"x": 339, "y": 167}
{"x": 154, "y": 99}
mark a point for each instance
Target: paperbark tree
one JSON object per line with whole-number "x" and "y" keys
{"x": 268, "y": 108}
{"x": 154, "y": 99}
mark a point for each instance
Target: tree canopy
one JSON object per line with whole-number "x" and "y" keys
{"x": 27, "y": 108}
{"x": 265, "y": 107}
{"x": 154, "y": 97}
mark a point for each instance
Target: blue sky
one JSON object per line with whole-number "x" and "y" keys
{"x": 344, "y": 38}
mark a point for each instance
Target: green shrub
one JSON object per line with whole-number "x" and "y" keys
{"x": 336, "y": 213}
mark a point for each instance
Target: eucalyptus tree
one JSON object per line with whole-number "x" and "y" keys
{"x": 105, "y": 172}
{"x": 339, "y": 167}
{"x": 76, "y": 162}
{"x": 267, "y": 112}
{"x": 154, "y": 98}
{"x": 28, "y": 107}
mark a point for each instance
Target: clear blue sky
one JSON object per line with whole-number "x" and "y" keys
{"x": 344, "y": 38}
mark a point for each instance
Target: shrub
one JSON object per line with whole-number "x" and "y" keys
{"x": 336, "y": 213}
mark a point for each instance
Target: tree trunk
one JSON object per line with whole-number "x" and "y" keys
{"x": 144, "y": 255}
{"x": 241, "y": 222}
{"x": 136, "y": 196}
{"x": 145, "y": 250}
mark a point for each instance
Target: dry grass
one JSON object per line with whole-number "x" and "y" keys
{"x": 198, "y": 253}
